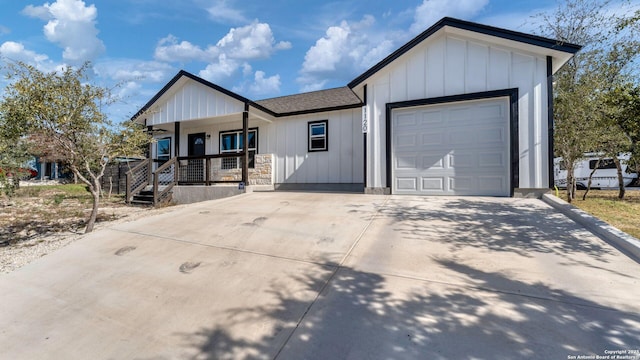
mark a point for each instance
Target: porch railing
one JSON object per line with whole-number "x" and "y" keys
{"x": 138, "y": 178}
{"x": 164, "y": 179}
{"x": 196, "y": 170}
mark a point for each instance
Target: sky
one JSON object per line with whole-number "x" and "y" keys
{"x": 258, "y": 49}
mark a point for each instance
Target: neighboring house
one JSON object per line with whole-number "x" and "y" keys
{"x": 48, "y": 169}
{"x": 462, "y": 109}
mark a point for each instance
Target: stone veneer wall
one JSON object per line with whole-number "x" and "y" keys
{"x": 262, "y": 174}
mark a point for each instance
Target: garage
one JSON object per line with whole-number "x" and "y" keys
{"x": 453, "y": 148}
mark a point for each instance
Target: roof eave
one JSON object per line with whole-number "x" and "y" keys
{"x": 315, "y": 111}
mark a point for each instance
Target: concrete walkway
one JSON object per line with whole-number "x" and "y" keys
{"x": 328, "y": 276}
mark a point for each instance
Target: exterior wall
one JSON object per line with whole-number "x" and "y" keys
{"x": 286, "y": 139}
{"x": 192, "y": 101}
{"x": 294, "y": 164}
{"x": 451, "y": 65}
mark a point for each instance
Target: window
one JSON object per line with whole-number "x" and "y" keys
{"x": 163, "y": 150}
{"x": 232, "y": 142}
{"x": 604, "y": 164}
{"x": 318, "y": 138}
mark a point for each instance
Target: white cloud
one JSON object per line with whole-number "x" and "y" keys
{"x": 265, "y": 85}
{"x": 223, "y": 68}
{"x": 72, "y": 25}
{"x": 17, "y": 52}
{"x": 170, "y": 50}
{"x": 254, "y": 41}
{"x": 229, "y": 56}
{"x": 222, "y": 12}
{"x": 343, "y": 52}
{"x": 350, "y": 48}
{"x": 125, "y": 70}
{"x": 430, "y": 11}
{"x": 4, "y": 30}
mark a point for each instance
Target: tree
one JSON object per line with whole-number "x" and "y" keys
{"x": 624, "y": 106}
{"x": 14, "y": 155}
{"x": 580, "y": 87}
{"x": 65, "y": 113}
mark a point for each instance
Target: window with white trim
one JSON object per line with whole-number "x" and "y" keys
{"x": 318, "y": 135}
{"x": 232, "y": 142}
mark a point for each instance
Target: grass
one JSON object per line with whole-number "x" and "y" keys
{"x": 604, "y": 204}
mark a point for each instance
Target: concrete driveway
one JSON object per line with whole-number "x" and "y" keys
{"x": 328, "y": 276}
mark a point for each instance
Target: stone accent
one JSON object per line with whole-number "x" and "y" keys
{"x": 262, "y": 174}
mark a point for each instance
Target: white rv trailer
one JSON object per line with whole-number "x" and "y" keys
{"x": 605, "y": 176}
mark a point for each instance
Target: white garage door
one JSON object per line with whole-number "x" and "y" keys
{"x": 457, "y": 148}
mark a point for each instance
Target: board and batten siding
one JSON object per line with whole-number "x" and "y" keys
{"x": 192, "y": 101}
{"x": 452, "y": 65}
{"x": 287, "y": 139}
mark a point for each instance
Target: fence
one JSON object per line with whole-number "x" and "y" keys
{"x": 114, "y": 180}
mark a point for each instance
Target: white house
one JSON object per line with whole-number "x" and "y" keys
{"x": 462, "y": 109}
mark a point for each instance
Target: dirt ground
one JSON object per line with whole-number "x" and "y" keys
{"x": 41, "y": 219}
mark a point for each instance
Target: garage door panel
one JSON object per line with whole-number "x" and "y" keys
{"x": 406, "y": 120}
{"x": 432, "y": 162}
{"x": 494, "y": 160}
{"x": 454, "y": 149}
{"x": 462, "y": 137}
{"x": 460, "y": 161}
{"x": 491, "y": 112}
{"x": 433, "y": 184}
{"x": 458, "y": 116}
{"x": 491, "y": 183}
{"x": 406, "y": 184}
{"x": 461, "y": 184}
{"x": 406, "y": 162}
{"x": 432, "y": 139}
{"x": 431, "y": 118}
{"x": 491, "y": 136}
{"x": 406, "y": 141}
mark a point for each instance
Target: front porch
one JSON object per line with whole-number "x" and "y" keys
{"x": 186, "y": 179}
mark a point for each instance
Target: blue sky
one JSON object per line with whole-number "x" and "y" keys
{"x": 259, "y": 49}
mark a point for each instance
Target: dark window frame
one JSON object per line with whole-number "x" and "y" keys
{"x": 252, "y": 153}
{"x": 311, "y": 137}
{"x": 166, "y": 157}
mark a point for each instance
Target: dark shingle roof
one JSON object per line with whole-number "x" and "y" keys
{"x": 323, "y": 100}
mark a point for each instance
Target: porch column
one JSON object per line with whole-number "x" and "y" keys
{"x": 177, "y": 139}
{"x": 245, "y": 144}
{"x": 150, "y": 148}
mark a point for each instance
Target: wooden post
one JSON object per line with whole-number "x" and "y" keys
{"x": 207, "y": 168}
{"x": 245, "y": 145}
{"x": 176, "y": 151}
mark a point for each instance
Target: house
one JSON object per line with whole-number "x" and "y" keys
{"x": 462, "y": 109}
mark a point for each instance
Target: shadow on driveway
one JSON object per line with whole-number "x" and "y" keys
{"x": 362, "y": 315}
{"x": 513, "y": 225}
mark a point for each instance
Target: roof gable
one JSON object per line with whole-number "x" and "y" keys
{"x": 177, "y": 81}
{"x": 533, "y": 41}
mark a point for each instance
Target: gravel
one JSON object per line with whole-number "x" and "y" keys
{"x": 13, "y": 257}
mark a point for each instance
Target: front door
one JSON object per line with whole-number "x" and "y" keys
{"x": 196, "y": 144}
{"x": 194, "y": 173}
